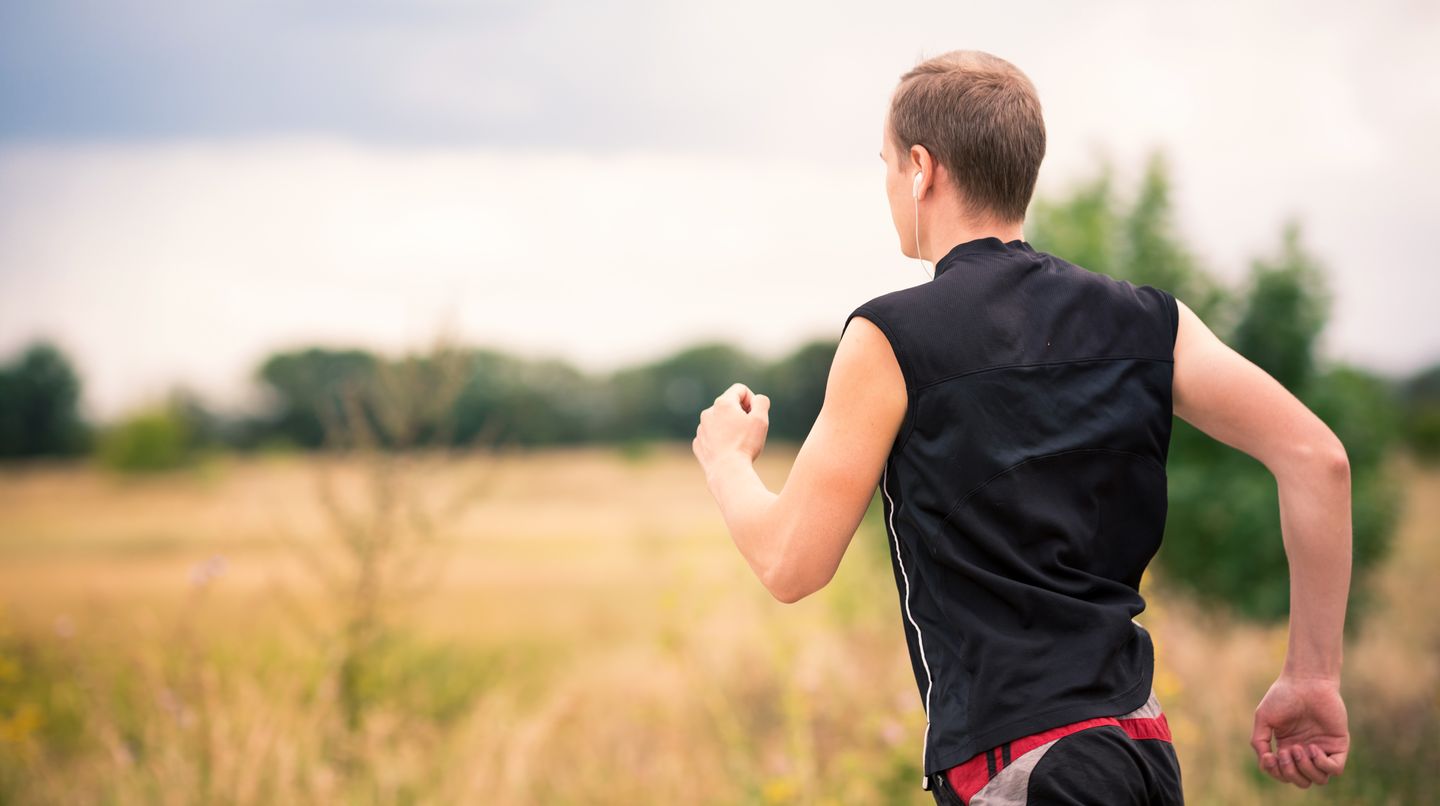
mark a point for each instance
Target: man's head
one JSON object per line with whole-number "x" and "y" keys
{"x": 971, "y": 122}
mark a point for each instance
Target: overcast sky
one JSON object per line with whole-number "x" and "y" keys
{"x": 185, "y": 187}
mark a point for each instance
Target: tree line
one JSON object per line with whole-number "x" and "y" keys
{"x": 1223, "y": 526}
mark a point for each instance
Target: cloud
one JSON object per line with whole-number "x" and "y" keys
{"x": 183, "y": 188}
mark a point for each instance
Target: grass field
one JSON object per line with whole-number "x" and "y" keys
{"x": 554, "y": 627}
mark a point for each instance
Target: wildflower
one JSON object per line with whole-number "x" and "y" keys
{"x": 203, "y": 572}
{"x": 892, "y": 732}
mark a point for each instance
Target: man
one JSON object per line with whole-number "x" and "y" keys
{"x": 1015, "y": 412}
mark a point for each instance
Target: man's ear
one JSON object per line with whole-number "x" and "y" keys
{"x": 920, "y": 159}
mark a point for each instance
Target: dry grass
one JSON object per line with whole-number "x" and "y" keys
{"x": 593, "y": 638}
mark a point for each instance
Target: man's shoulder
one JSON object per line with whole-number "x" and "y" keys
{"x": 1099, "y": 285}
{"x": 891, "y": 304}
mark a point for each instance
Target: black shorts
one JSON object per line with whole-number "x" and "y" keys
{"x": 1126, "y": 759}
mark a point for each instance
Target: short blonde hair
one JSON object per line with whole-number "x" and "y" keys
{"x": 980, "y": 117}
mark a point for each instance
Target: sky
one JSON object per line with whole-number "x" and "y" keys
{"x": 187, "y": 187}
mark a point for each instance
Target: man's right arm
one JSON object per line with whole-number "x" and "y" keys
{"x": 1228, "y": 397}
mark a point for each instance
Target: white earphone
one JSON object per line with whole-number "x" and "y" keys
{"x": 915, "y": 194}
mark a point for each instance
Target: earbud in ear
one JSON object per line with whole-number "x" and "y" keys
{"x": 915, "y": 191}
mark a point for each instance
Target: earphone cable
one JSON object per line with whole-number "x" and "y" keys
{"x": 927, "y": 271}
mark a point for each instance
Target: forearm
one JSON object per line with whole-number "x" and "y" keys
{"x": 749, "y": 511}
{"x": 1315, "y": 523}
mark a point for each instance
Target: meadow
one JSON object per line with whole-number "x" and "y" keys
{"x": 558, "y": 626}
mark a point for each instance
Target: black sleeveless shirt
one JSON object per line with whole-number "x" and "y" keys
{"x": 1026, "y": 490}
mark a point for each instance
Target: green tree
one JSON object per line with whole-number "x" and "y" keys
{"x": 542, "y": 402}
{"x": 39, "y": 405}
{"x": 1152, "y": 252}
{"x": 1084, "y": 226}
{"x": 1420, "y": 398}
{"x": 306, "y": 387}
{"x": 663, "y": 399}
{"x": 1093, "y": 228}
{"x": 1223, "y": 538}
{"x": 1286, "y": 307}
{"x": 796, "y": 387}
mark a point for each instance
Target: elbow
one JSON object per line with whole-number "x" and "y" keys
{"x": 1339, "y": 464}
{"x": 1336, "y": 460}
{"x": 1316, "y": 459}
{"x": 797, "y": 569}
{"x": 785, "y": 586}
{"x": 786, "y": 597}
{"x": 789, "y": 582}
{"x": 798, "y": 583}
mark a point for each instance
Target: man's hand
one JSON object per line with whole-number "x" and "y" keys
{"x": 1308, "y": 721}
{"x": 735, "y": 426}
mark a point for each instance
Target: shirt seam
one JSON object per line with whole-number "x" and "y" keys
{"x": 1173, "y": 308}
{"x": 952, "y": 377}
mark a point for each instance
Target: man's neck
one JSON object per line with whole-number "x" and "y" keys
{"x": 934, "y": 245}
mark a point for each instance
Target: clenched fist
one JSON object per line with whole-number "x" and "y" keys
{"x": 736, "y": 425}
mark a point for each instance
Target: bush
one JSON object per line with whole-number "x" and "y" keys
{"x": 155, "y": 439}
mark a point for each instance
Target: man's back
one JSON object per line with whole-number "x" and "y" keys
{"x": 1026, "y": 490}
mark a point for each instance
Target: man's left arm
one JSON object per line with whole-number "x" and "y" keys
{"x": 794, "y": 540}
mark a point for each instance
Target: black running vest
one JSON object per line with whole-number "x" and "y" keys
{"x": 1026, "y": 490}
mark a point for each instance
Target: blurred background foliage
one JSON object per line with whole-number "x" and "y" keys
{"x": 1223, "y": 527}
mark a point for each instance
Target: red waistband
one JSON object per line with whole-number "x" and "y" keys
{"x": 969, "y": 776}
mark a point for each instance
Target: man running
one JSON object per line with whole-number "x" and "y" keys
{"x": 1015, "y": 411}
